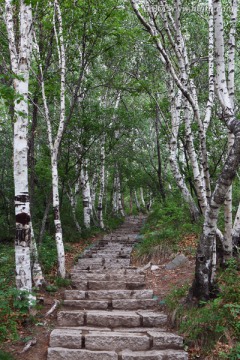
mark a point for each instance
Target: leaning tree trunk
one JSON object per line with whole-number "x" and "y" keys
{"x": 175, "y": 119}
{"x": 204, "y": 282}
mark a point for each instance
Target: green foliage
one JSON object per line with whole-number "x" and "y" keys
{"x": 62, "y": 282}
{"x": 213, "y": 321}
{"x": 48, "y": 254}
{"x": 165, "y": 226}
{"x": 6, "y": 356}
{"x": 14, "y": 306}
{"x": 51, "y": 288}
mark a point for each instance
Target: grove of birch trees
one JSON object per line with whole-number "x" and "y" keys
{"x": 109, "y": 106}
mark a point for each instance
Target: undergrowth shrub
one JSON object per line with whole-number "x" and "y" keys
{"x": 165, "y": 226}
{"x": 214, "y": 322}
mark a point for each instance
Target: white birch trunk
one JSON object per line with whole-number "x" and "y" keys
{"x": 55, "y": 144}
{"x": 175, "y": 118}
{"x": 86, "y": 195}
{"x": 20, "y": 62}
{"x": 102, "y": 185}
{"x": 142, "y": 197}
{"x": 229, "y": 229}
{"x": 37, "y": 274}
{"x": 57, "y": 219}
{"x": 93, "y": 187}
{"x": 72, "y": 198}
{"x": 137, "y": 201}
{"x": 119, "y": 195}
{"x": 199, "y": 185}
{"x": 115, "y": 195}
{"x": 203, "y": 286}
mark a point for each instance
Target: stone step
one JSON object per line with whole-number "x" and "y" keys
{"x": 152, "y": 355}
{"x": 129, "y": 270}
{"x": 120, "y": 304}
{"x": 107, "y": 285}
{"x": 116, "y": 341}
{"x": 108, "y": 277}
{"x": 59, "y": 353}
{"x": 108, "y": 294}
{"x": 111, "y": 319}
{"x": 103, "y": 269}
{"x": 85, "y": 329}
{"x": 107, "y": 255}
{"x": 107, "y": 340}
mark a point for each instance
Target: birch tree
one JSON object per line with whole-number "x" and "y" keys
{"x": 102, "y": 184}
{"x": 203, "y": 286}
{"x": 54, "y": 144}
{"x": 20, "y": 48}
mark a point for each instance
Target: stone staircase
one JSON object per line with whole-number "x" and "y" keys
{"x": 110, "y": 315}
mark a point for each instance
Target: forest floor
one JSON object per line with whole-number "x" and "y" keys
{"x": 162, "y": 281}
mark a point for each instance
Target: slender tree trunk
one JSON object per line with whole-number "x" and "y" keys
{"x": 86, "y": 195}
{"x": 229, "y": 231}
{"x": 142, "y": 197}
{"x": 175, "y": 118}
{"x": 72, "y": 198}
{"x": 119, "y": 195}
{"x": 54, "y": 145}
{"x": 159, "y": 169}
{"x": 137, "y": 201}
{"x": 102, "y": 185}
{"x": 20, "y": 62}
{"x": 57, "y": 221}
{"x": 44, "y": 220}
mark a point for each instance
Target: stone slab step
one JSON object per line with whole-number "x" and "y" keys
{"x": 107, "y": 340}
{"x": 87, "y": 304}
{"x": 108, "y": 285}
{"x": 112, "y": 319}
{"x": 108, "y": 294}
{"x": 154, "y": 355}
{"x": 108, "y": 277}
{"x": 69, "y": 338}
{"x": 59, "y": 353}
{"x": 120, "y": 304}
{"x": 134, "y": 304}
{"x": 144, "y": 330}
{"x": 110, "y": 255}
{"x": 129, "y": 270}
{"x": 116, "y": 341}
{"x": 165, "y": 340}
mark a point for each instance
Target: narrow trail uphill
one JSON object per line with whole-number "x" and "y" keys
{"x": 110, "y": 315}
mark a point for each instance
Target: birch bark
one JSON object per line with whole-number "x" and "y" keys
{"x": 86, "y": 195}
{"x": 203, "y": 286}
{"x": 20, "y": 55}
{"x": 175, "y": 119}
{"x": 102, "y": 185}
{"x": 54, "y": 145}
